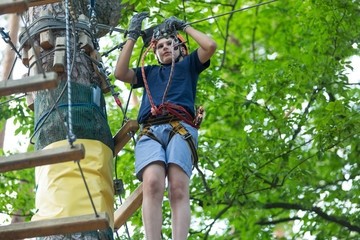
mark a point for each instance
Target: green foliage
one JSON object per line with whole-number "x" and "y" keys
{"x": 279, "y": 146}
{"x": 281, "y": 123}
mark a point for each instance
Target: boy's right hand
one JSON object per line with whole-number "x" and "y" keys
{"x": 135, "y": 25}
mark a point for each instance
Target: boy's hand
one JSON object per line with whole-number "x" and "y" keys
{"x": 135, "y": 25}
{"x": 176, "y": 23}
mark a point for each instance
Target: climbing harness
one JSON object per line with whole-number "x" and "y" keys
{"x": 177, "y": 127}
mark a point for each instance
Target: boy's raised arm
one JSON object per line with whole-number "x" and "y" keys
{"x": 122, "y": 70}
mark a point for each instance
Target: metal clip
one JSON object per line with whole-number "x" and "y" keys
{"x": 186, "y": 135}
{"x": 118, "y": 187}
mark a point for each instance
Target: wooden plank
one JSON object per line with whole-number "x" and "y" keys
{"x": 122, "y": 136}
{"x": 129, "y": 207}
{"x": 75, "y": 224}
{"x": 16, "y": 6}
{"x": 29, "y": 84}
{"x": 42, "y": 157}
{"x": 13, "y": 6}
{"x": 42, "y": 2}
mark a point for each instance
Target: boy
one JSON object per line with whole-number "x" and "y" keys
{"x": 156, "y": 156}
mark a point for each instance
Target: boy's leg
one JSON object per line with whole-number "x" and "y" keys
{"x": 179, "y": 197}
{"x": 153, "y": 192}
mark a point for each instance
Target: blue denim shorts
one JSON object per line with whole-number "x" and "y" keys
{"x": 177, "y": 150}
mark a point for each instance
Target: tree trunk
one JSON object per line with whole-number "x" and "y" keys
{"x": 88, "y": 107}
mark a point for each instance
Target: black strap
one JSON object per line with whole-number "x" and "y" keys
{"x": 151, "y": 135}
{"x": 179, "y": 128}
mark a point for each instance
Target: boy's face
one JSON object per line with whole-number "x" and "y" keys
{"x": 163, "y": 50}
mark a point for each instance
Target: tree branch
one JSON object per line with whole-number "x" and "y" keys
{"x": 336, "y": 219}
{"x": 14, "y": 178}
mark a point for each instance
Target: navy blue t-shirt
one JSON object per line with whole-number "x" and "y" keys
{"x": 182, "y": 90}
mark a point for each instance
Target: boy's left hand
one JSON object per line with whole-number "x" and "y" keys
{"x": 176, "y": 23}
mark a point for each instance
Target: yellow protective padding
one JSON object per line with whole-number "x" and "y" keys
{"x": 61, "y": 191}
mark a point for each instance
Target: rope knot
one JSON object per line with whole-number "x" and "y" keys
{"x": 154, "y": 111}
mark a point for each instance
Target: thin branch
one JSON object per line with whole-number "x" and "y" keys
{"x": 213, "y": 3}
{"x": 324, "y": 150}
{"x": 202, "y": 175}
{"x": 312, "y": 99}
{"x": 17, "y": 215}
{"x": 253, "y": 35}
{"x": 209, "y": 162}
{"x": 227, "y": 36}
{"x": 277, "y": 221}
{"x": 217, "y": 23}
{"x": 285, "y": 153}
{"x": 216, "y": 218}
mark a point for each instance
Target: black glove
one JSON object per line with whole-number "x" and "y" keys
{"x": 176, "y": 23}
{"x": 135, "y": 25}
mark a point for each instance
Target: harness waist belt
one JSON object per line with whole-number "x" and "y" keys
{"x": 160, "y": 120}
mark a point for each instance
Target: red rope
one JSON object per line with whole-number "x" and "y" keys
{"x": 166, "y": 106}
{"x": 154, "y": 110}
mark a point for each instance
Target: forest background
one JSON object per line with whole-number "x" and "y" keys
{"x": 279, "y": 146}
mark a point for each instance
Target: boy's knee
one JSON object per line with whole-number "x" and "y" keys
{"x": 154, "y": 186}
{"x": 178, "y": 192}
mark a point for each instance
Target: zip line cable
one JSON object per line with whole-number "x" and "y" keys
{"x": 12, "y": 99}
{"x": 238, "y": 10}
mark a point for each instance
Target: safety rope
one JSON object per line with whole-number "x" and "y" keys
{"x": 72, "y": 137}
{"x": 154, "y": 110}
